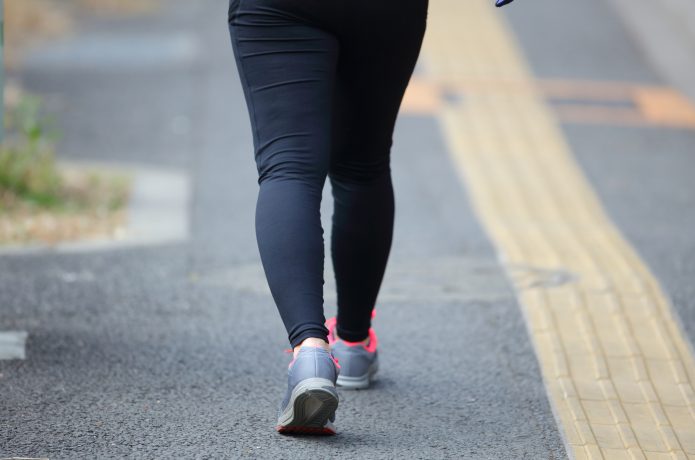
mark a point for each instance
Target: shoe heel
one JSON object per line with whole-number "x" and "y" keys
{"x": 313, "y": 402}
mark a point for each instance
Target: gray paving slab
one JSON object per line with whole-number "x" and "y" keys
{"x": 124, "y": 88}
{"x": 665, "y": 31}
{"x": 577, "y": 40}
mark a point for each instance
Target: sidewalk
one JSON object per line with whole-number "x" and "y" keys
{"x": 517, "y": 173}
{"x": 665, "y": 30}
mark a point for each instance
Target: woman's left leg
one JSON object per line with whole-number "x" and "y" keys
{"x": 378, "y": 53}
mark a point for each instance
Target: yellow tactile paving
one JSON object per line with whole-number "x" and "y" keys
{"x": 617, "y": 368}
{"x": 644, "y": 105}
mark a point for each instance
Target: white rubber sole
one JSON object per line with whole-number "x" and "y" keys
{"x": 312, "y": 404}
{"x": 358, "y": 383}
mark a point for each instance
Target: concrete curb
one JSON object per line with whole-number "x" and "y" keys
{"x": 157, "y": 212}
{"x": 13, "y": 344}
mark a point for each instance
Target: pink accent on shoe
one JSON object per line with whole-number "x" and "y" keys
{"x": 289, "y": 350}
{"x": 370, "y": 347}
{"x": 330, "y": 325}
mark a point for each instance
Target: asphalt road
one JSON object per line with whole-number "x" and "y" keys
{"x": 176, "y": 351}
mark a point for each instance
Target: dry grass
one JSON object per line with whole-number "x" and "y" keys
{"x": 92, "y": 205}
{"x": 30, "y": 21}
{"x": 42, "y": 201}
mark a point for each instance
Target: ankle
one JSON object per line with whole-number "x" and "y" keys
{"x": 311, "y": 342}
{"x": 365, "y": 341}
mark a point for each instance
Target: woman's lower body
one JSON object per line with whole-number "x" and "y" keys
{"x": 323, "y": 82}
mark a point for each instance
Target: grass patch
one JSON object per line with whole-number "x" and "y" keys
{"x": 42, "y": 202}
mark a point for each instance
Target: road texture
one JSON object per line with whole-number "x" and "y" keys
{"x": 176, "y": 350}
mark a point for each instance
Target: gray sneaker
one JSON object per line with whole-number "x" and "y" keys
{"x": 358, "y": 363}
{"x": 311, "y": 399}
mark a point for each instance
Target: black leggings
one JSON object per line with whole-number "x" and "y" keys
{"x": 323, "y": 82}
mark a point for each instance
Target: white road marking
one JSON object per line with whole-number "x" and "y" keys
{"x": 13, "y": 344}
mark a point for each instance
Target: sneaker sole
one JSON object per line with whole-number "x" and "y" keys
{"x": 312, "y": 404}
{"x": 358, "y": 383}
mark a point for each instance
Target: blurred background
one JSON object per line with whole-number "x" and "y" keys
{"x": 41, "y": 201}
{"x": 543, "y": 158}
{"x": 72, "y": 66}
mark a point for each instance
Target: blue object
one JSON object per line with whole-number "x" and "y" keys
{"x": 502, "y": 2}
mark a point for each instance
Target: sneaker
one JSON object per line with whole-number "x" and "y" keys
{"x": 311, "y": 399}
{"x": 358, "y": 362}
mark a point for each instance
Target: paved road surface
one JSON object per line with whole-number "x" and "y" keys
{"x": 175, "y": 351}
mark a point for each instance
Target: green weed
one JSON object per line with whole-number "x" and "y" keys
{"x": 28, "y": 169}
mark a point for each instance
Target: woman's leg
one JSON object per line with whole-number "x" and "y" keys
{"x": 287, "y": 68}
{"x": 378, "y": 54}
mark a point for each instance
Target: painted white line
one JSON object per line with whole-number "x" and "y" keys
{"x": 13, "y": 344}
{"x": 25, "y": 458}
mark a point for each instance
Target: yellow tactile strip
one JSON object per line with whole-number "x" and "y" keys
{"x": 592, "y": 102}
{"x": 617, "y": 368}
